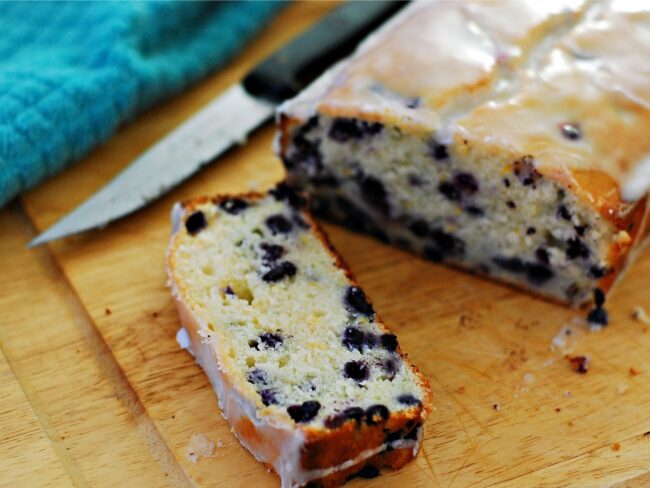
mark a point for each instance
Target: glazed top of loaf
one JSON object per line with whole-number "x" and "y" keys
{"x": 564, "y": 81}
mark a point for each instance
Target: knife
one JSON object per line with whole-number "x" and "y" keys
{"x": 228, "y": 119}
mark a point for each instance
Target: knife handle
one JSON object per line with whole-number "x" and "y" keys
{"x": 287, "y": 71}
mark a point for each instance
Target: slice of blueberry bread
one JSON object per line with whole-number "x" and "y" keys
{"x": 516, "y": 149}
{"x": 311, "y": 381}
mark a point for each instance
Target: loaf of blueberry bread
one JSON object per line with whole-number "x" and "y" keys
{"x": 507, "y": 138}
{"x": 311, "y": 381}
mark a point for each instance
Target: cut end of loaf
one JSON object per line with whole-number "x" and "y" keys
{"x": 458, "y": 202}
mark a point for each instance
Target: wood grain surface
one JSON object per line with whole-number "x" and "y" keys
{"x": 97, "y": 393}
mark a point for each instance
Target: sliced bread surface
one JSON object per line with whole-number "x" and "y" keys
{"x": 311, "y": 381}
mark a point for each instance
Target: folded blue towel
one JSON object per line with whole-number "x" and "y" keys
{"x": 71, "y": 73}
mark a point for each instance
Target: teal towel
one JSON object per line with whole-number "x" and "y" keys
{"x": 71, "y": 73}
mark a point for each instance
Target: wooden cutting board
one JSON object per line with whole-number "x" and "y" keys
{"x": 97, "y": 393}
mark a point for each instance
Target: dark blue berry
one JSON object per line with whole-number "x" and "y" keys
{"x": 253, "y": 344}
{"x": 257, "y": 377}
{"x": 542, "y": 255}
{"x": 581, "y": 229}
{"x": 346, "y": 129}
{"x": 355, "y": 339}
{"x": 195, "y": 223}
{"x": 234, "y": 206}
{"x": 271, "y": 340}
{"x": 374, "y": 193}
{"x": 408, "y": 399}
{"x": 599, "y": 297}
{"x": 538, "y": 274}
{"x": 355, "y": 301}
{"x": 449, "y": 191}
{"x": 511, "y": 204}
{"x": 283, "y": 192}
{"x": 598, "y": 271}
{"x": 439, "y": 151}
{"x": 466, "y": 183}
{"x": 571, "y": 131}
{"x": 389, "y": 342}
{"x": 376, "y": 414}
{"x": 448, "y": 244}
{"x": 474, "y": 211}
{"x": 280, "y": 271}
{"x": 598, "y": 316}
{"x": 350, "y": 413}
{"x": 419, "y": 228}
{"x": 530, "y": 231}
{"x": 278, "y": 224}
{"x": 390, "y": 367}
{"x": 356, "y": 370}
{"x": 415, "y": 180}
{"x": 306, "y": 154}
{"x": 506, "y": 182}
{"x": 229, "y": 291}
{"x": 272, "y": 252}
{"x": 268, "y": 397}
{"x": 512, "y": 264}
{"x": 305, "y": 412}
{"x": 576, "y": 248}
{"x": 563, "y": 212}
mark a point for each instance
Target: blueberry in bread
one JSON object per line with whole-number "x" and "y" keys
{"x": 311, "y": 381}
{"x": 507, "y": 138}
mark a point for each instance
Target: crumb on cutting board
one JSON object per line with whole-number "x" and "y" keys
{"x": 579, "y": 364}
{"x": 641, "y": 315}
{"x": 622, "y": 388}
{"x": 200, "y": 446}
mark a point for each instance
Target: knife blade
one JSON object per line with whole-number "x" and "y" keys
{"x": 227, "y": 120}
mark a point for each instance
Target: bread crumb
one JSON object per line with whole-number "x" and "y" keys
{"x": 529, "y": 378}
{"x": 219, "y": 444}
{"x": 460, "y": 389}
{"x": 616, "y": 446}
{"x": 200, "y": 446}
{"x": 558, "y": 409}
{"x": 107, "y": 311}
{"x": 567, "y": 394}
{"x": 496, "y": 407}
{"x": 633, "y": 371}
{"x": 641, "y": 315}
{"x": 579, "y": 364}
{"x": 622, "y": 388}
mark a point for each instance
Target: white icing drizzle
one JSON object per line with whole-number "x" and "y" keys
{"x": 638, "y": 183}
{"x": 482, "y": 77}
